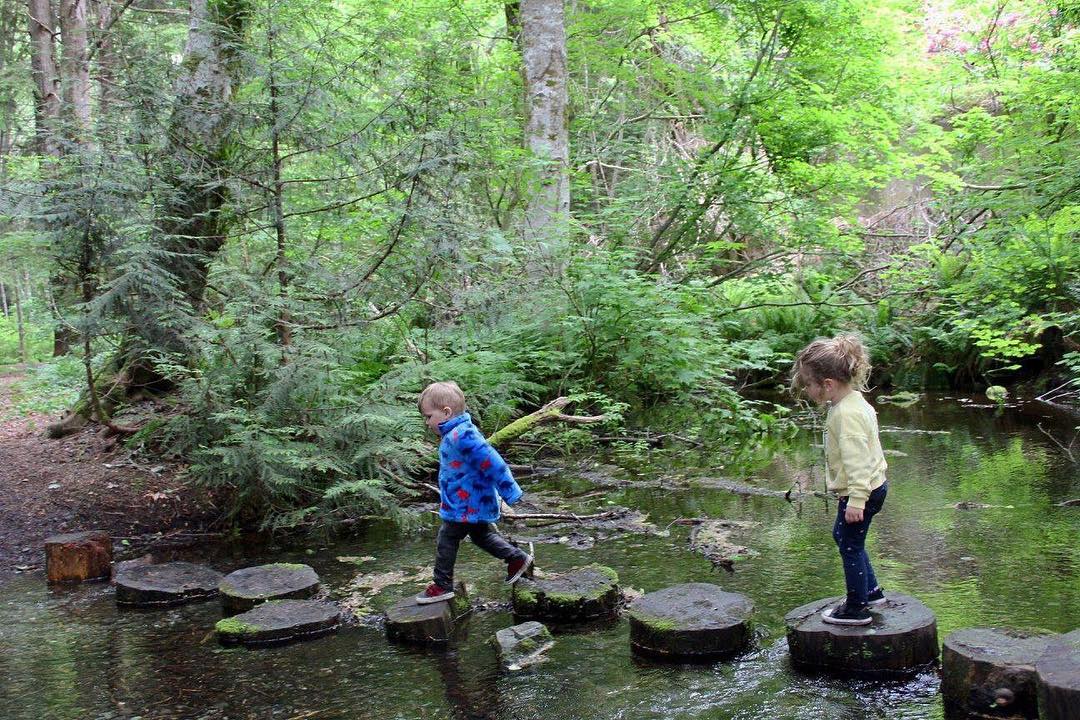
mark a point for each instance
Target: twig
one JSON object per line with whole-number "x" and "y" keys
{"x": 1065, "y": 449}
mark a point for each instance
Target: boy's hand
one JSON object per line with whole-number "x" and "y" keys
{"x": 853, "y": 515}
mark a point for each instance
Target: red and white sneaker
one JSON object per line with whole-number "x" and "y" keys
{"x": 433, "y": 594}
{"x": 516, "y": 568}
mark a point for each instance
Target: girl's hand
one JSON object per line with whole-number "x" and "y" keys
{"x": 853, "y": 515}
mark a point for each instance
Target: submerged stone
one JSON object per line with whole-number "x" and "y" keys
{"x": 587, "y": 593}
{"x": 1058, "y": 673}
{"x": 691, "y": 621}
{"x": 244, "y": 589}
{"x": 171, "y": 583}
{"x": 522, "y": 645}
{"x": 409, "y": 622}
{"x": 77, "y": 557}
{"x": 279, "y": 621}
{"x": 901, "y": 639}
{"x": 990, "y": 673}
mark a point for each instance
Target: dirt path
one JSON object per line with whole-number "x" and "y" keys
{"x": 81, "y": 483}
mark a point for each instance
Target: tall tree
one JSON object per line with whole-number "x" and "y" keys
{"x": 543, "y": 43}
{"x": 75, "y": 73}
{"x": 45, "y": 73}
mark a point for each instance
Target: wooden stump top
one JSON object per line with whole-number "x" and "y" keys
{"x": 165, "y": 584}
{"x": 1058, "y": 673}
{"x": 279, "y": 621}
{"x": 244, "y": 589}
{"x": 901, "y": 639}
{"x": 690, "y": 621}
{"x": 75, "y": 557}
{"x": 990, "y": 672}
{"x": 408, "y": 621}
{"x": 586, "y": 593}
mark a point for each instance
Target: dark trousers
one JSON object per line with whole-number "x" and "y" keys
{"x": 483, "y": 535}
{"x": 851, "y": 540}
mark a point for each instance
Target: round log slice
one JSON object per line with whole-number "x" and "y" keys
{"x": 587, "y": 593}
{"x": 409, "y": 622}
{"x": 990, "y": 673}
{"x": 76, "y": 557}
{"x": 1058, "y": 673}
{"x": 279, "y": 621}
{"x": 901, "y": 639}
{"x": 171, "y": 583}
{"x": 244, "y": 589}
{"x": 690, "y": 622}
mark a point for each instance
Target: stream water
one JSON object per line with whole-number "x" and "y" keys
{"x": 71, "y": 654}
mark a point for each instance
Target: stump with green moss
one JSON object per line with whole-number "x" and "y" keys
{"x": 901, "y": 640}
{"x": 695, "y": 621}
{"x": 279, "y": 621}
{"x": 587, "y": 593}
{"x": 522, "y": 645}
{"x": 409, "y": 622}
{"x": 244, "y": 589}
{"x": 990, "y": 673}
{"x": 1058, "y": 672}
{"x": 173, "y": 583}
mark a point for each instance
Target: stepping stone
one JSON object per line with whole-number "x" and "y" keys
{"x": 1058, "y": 673}
{"x": 901, "y": 640}
{"x": 409, "y": 622}
{"x": 587, "y": 593}
{"x": 695, "y": 621}
{"x": 171, "y": 583}
{"x": 990, "y": 673}
{"x": 523, "y": 645}
{"x": 76, "y": 557}
{"x": 244, "y": 589}
{"x": 279, "y": 621}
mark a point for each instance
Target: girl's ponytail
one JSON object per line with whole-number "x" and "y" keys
{"x": 843, "y": 358}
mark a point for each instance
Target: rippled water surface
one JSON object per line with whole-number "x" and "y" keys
{"x": 68, "y": 654}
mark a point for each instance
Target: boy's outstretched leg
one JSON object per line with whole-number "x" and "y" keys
{"x": 488, "y": 539}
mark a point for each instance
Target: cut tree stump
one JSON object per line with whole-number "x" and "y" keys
{"x": 522, "y": 645}
{"x": 695, "y": 621}
{"x": 1058, "y": 672}
{"x": 901, "y": 640}
{"x": 587, "y": 593}
{"x": 244, "y": 589}
{"x": 279, "y": 621}
{"x": 77, "y": 557}
{"x": 408, "y": 622}
{"x": 173, "y": 583}
{"x": 990, "y": 673}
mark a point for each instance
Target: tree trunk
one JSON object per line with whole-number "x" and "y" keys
{"x": 3, "y": 298}
{"x": 75, "y": 83}
{"x": 284, "y": 321}
{"x": 106, "y": 58}
{"x": 45, "y": 74}
{"x": 19, "y": 322}
{"x": 543, "y": 42}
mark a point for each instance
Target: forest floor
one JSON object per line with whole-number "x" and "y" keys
{"x": 86, "y": 482}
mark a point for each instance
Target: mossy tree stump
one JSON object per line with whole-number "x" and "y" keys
{"x": 279, "y": 621}
{"x": 77, "y": 557}
{"x": 695, "y": 621}
{"x": 244, "y": 589}
{"x": 587, "y": 593}
{"x": 1058, "y": 672}
{"x": 171, "y": 583}
{"x": 409, "y": 622}
{"x": 901, "y": 639}
{"x": 990, "y": 673}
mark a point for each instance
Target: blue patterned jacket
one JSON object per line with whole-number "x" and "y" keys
{"x": 472, "y": 474}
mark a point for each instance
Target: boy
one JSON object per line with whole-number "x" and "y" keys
{"x": 472, "y": 478}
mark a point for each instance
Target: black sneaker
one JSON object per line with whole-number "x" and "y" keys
{"x": 876, "y": 596}
{"x": 844, "y": 614}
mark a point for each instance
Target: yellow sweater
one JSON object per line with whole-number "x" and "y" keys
{"x": 854, "y": 462}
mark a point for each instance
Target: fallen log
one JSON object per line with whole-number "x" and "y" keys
{"x": 552, "y": 412}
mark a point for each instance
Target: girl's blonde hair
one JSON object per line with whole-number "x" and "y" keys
{"x": 442, "y": 394}
{"x": 842, "y": 358}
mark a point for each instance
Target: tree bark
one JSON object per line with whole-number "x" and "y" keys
{"x": 106, "y": 58}
{"x": 3, "y": 298}
{"x": 75, "y": 73}
{"x": 21, "y": 326}
{"x": 543, "y": 43}
{"x": 284, "y": 321}
{"x": 46, "y": 75}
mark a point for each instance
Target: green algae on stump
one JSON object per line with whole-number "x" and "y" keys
{"x": 244, "y": 589}
{"x": 586, "y": 593}
{"x": 901, "y": 640}
{"x": 693, "y": 621}
{"x": 409, "y": 622}
{"x": 990, "y": 673}
{"x": 279, "y": 621}
{"x": 171, "y": 583}
{"x": 1058, "y": 673}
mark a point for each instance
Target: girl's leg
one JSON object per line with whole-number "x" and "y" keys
{"x": 850, "y": 539}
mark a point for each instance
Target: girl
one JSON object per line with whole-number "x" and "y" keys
{"x": 833, "y": 373}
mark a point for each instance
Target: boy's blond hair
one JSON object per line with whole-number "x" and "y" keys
{"x": 442, "y": 394}
{"x": 842, "y": 358}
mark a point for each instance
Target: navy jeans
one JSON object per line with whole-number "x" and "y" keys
{"x": 484, "y": 536}
{"x": 851, "y": 540}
